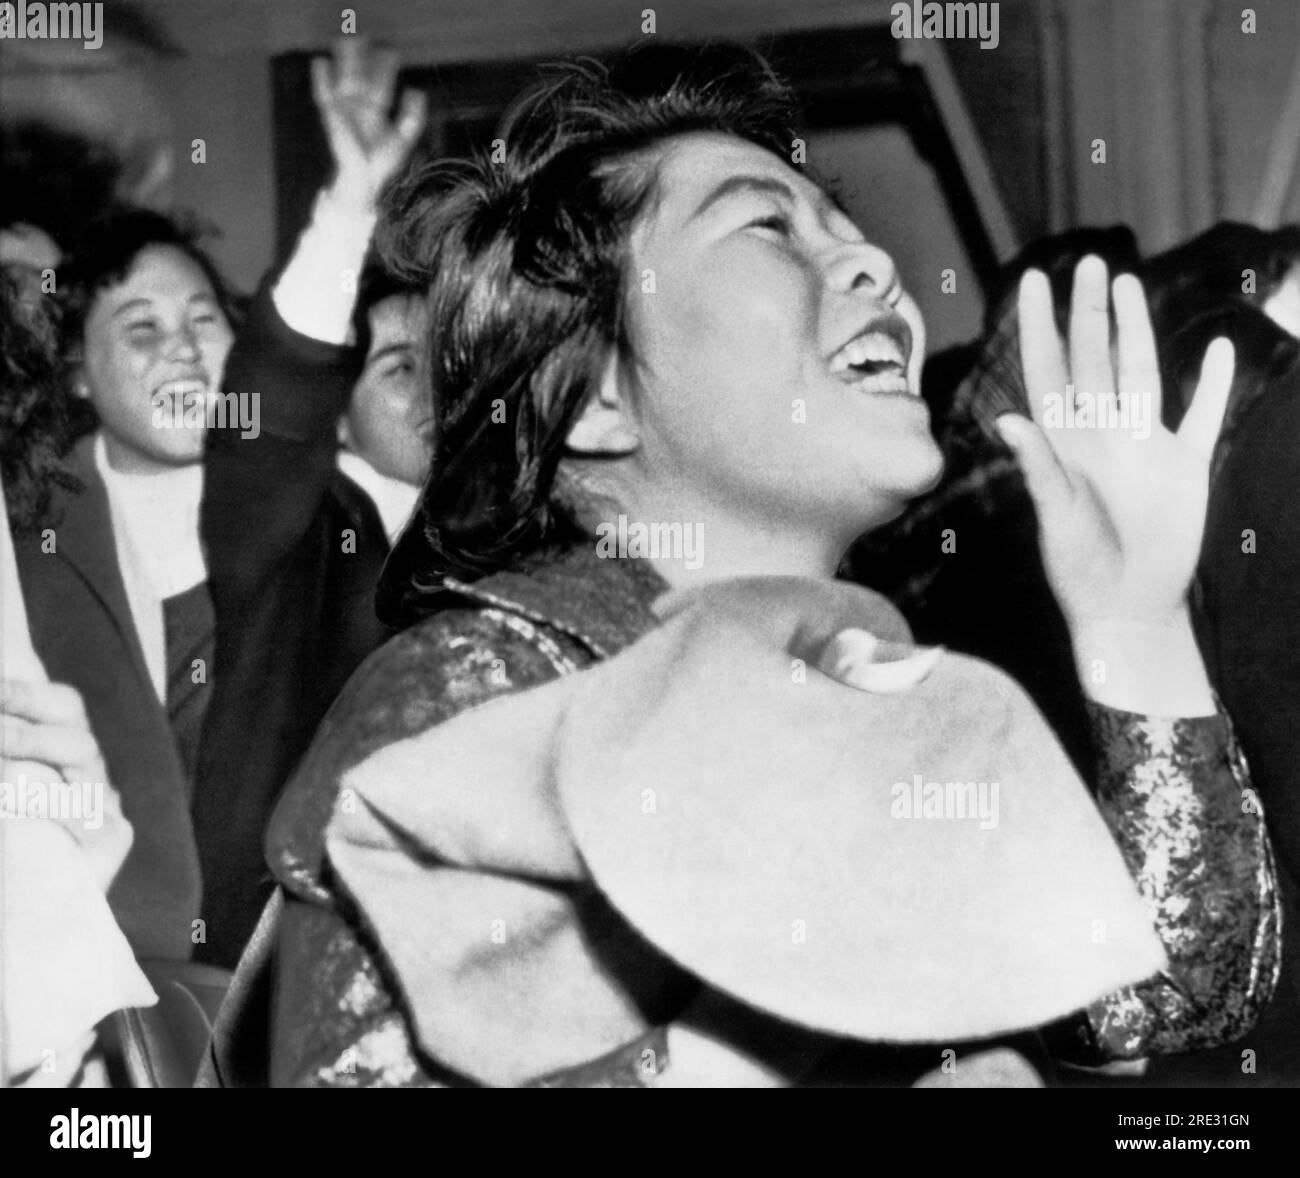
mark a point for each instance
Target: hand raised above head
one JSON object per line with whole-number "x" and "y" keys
{"x": 353, "y": 95}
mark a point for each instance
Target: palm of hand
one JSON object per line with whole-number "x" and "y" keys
{"x": 1121, "y": 515}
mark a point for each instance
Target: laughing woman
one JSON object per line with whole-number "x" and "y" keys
{"x": 166, "y": 557}
{"x": 649, "y": 821}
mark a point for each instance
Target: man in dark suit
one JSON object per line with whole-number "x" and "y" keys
{"x": 297, "y": 515}
{"x": 297, "y": 529}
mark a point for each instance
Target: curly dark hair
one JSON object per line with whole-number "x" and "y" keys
{"x": 113, "y": 242}
{"x": 524, "y": 257}
{"x": 35, "y": 430}
{"x": 115, "y": 239}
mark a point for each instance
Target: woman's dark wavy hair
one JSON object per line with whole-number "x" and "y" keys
{"x": 35, "y": 430}
{"x": 113, "y": 243}
{"x": 110, "y": 248}
{"x": 524, "y": 254}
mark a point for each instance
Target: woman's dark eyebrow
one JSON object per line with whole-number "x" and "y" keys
{"x": 732, "y": 184}
{"x": 131, "y": 305}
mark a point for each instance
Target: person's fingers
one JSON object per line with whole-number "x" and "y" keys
{"x": 37, "y": 783}
{"x": 1090, "y": 365}
{"x": 411, "y": 118}
{"x": 1204, "y": 418}
{"x": 88, "y": 809}
{"x": 36, "y": 790}
{"x": 1139, "y": 367}
{"x": 47, "y": 722}
{"x": 18, "y": 697}
{"x": 338, "y": 131}
{"x": 382, "y": 76}
{"x": 72, "y": 750}
{"x": 41, "y": 702}
{"x": 322, "y": 90}
{"x": 105, "y": 834}
{"x": 340, "y": 134}
{"x": 1041, "y": 358}
{"x": 349, "y": 57}
{"x": 1047, "y": 480}
{"x": 35, "y": 773}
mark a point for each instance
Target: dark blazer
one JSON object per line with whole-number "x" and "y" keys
{"x": 294, "y": 550}
{"x": 83, "y": 631}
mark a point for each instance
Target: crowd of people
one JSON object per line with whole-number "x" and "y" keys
{"x": 406, "y": 782}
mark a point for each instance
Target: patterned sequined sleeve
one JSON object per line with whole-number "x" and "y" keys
{"x": 339, "y": 1021}
{"x": 1177, "y": 796}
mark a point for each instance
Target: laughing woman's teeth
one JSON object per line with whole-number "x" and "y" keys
{"x": 885, "y": 382}
{"x": 183, "y": 387}
{"x": 874, "y": 362}
{"x": 874, "y": 348}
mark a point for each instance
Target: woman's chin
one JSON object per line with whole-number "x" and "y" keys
{"x": 922, "y": 470}
{"x": 920, "y": 475}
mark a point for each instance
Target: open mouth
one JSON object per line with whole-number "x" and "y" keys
{"x": 181, "y": 395}
{"x": 875, "y": 360}
{"x": 181, "y": 389}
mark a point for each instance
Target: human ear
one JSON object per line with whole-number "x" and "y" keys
{"x": 603, "y": 428}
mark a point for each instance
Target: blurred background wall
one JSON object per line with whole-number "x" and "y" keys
{"x": 1193, "y": 110}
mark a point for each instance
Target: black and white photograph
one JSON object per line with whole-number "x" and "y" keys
{"x": 631, "y": 544}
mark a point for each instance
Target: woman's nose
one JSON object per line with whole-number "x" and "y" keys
{"x": 185, "y": 343}
{"x": 864, "y": 268}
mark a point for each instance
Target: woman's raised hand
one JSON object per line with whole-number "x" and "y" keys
{"x": 1121, "y": 503}
{"x": 354, "y": 95}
